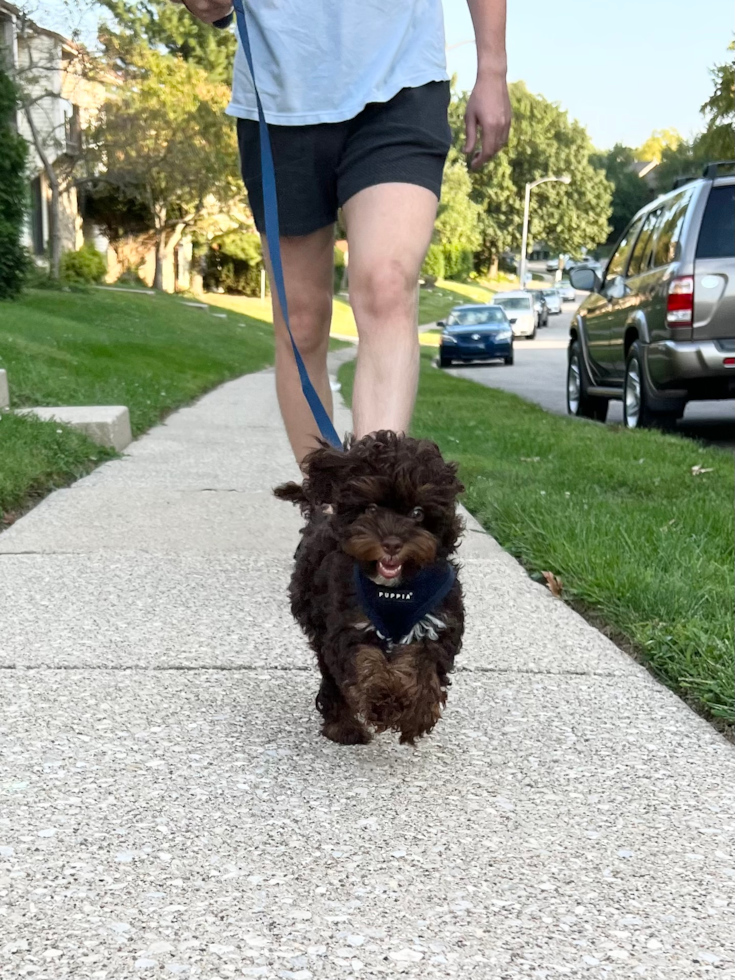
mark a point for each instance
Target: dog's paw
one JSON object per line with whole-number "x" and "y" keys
{"x": 378, "y": 694}
{"x": 419, "y": 720}
{"x": 424, "y": 694}
{"x": 350, "y": 733}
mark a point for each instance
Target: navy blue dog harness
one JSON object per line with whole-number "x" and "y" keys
{"x": 396, "y": 611}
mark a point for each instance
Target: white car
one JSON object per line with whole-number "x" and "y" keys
{"x": 553, "y": 300}
{"x": 519, "y": 308}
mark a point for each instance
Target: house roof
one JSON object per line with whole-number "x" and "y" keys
{"x": 17, "y": 14}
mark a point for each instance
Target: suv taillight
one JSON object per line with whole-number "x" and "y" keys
{"x": 680, "y": 303}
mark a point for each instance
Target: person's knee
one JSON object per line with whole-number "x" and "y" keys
{"x": 310, "y": 318}
{"x": 386, "y": 291}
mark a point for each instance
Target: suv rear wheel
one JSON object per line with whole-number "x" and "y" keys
{"x": 579, "y": 403}
{"x": 639, "y": 407}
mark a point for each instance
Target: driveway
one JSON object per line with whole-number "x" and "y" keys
{"x": 539, "y": 375}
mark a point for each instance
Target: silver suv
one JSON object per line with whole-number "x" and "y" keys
{"x": 658, "y": 330}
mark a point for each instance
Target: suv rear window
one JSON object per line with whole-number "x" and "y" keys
{"x": 670, "y": 229}
{"x": 717, "y": 234}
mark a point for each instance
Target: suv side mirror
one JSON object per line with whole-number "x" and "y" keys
{"x": 441, "y": 323}
{"x": 585, "y": 279}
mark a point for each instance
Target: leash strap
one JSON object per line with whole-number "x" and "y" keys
{"x": 272, "y": 234}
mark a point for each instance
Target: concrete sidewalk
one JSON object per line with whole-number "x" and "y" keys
{"x": 168, "y": 808}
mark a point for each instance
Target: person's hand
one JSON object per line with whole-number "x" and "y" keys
{"x": 488, "y": 110}
{"x": 209, "y": 11}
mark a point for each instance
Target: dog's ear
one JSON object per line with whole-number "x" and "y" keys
{"x": 293, "y": 493}
{"x": 326, "y": 469}
{"x": 457, "y": 485}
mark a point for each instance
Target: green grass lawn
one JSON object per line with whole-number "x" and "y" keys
{"x": 151, "y": 353}
{"x": 642, "y": 546}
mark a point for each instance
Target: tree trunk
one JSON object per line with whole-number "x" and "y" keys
{"x": 55, "y": 229}
{"x": 160, "y": 221}
{"x": 165, "y": 248}
{"x": 160, "y": 259}
{"x": 493, "y": 270}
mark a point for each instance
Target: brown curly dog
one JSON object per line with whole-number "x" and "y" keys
{"x": 374, "y": 585}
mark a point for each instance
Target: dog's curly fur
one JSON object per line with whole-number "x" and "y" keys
{"x": 383, "y": 488}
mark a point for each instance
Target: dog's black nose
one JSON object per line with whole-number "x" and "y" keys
{"x": 392, "y": 546}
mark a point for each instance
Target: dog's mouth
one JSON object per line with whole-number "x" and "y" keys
{"x": 389, "y": 568}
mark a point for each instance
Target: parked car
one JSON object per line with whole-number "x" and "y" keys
{"x": 541, "y": 307}
{"x": 476, "y": 333}
{"x": 552, "y": 265}
{"x": 519, "y": 308}
{"x": 553, "y": 300}
{"x": 658, "y": 330}
{"x": 566, "y": 290}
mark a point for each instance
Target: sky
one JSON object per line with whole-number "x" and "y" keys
{"x": 622, "y": 68}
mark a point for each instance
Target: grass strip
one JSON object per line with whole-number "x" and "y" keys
{"x": 642, "y": 543}
{"x": 97, "y": 347}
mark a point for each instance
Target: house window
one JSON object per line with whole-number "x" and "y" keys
{"x": 38, "y": 203}
{"x": 73, "y": 128}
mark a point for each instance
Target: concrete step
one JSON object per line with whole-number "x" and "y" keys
{"x": 107, "y": 425}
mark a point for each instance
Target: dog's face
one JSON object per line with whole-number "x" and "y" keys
{"x": 394, "y": 502}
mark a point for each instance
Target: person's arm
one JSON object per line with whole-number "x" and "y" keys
{"x": 488, "y": 108}
{"x": 210, "y": 11}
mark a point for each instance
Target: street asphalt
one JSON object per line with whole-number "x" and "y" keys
{"x": 539, "y": 374}
{"x": 167, "y": 807}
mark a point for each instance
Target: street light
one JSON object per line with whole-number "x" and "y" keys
{"x": 524, "y": 245}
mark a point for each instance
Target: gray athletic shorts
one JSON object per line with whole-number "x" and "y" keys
{"x": 320, "y": 167}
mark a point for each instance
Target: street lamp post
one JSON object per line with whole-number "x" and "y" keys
{"x": 524, "y": 242}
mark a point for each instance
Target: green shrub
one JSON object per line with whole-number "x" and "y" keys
{"x": 233, "y": 263}
{"x": 85, "y": 267}
{"x": 131, "y": 277}
{"x": 434, "y": 262}
{"x": 339, "y": 269}
{"x": 459, "y": 262}
{"x": 14, "y": 261}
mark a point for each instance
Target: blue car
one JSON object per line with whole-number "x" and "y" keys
{"x": 476, "y": 333}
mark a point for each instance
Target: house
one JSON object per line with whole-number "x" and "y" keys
{"x": 60, "y": 102}
{"x": 62, "y": 96}
{"x": 645, "y": 169}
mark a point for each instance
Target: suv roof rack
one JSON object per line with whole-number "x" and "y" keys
{"x": 712, "y": 170}
{"x": 680, "y": 181}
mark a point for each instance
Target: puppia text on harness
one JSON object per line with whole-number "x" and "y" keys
{"x": 404, "y": 614}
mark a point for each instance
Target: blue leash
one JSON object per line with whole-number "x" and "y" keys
{"x": 272, "y": 233}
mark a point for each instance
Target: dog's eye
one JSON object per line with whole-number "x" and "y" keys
{"x": 417, "y": 514}
{"x": 371, "y": 509}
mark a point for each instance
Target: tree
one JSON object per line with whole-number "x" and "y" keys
{"x": 162, "y": 25}
{"x": 630, "y": 192}
{"x": 543, "y": 141}
{"x": 717, "y": 140}
{"x": 457, "y": 229}
{"x": 657, "y": 142}
{"x": 165, "y": 142}
{"x": 12, "y": 192}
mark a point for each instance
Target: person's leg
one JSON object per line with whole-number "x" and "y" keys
{"x": 389, "y": 228}
{"x": 308, "y": 269}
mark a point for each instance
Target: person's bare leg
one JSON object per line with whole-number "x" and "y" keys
{"x": 308, "y": 269}
{"x": 389, "y": 229}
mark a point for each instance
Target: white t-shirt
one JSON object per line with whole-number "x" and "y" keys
{"x": 322, "y": 61}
